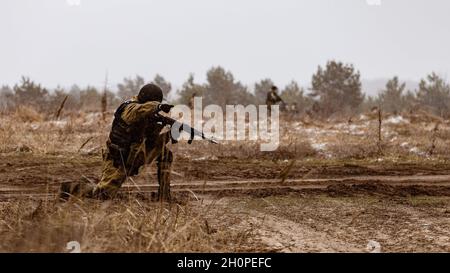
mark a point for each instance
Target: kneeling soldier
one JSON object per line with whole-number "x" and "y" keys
{"x": 135, "y": 140}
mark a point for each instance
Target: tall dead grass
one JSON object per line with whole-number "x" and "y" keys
{"x": 27, "y": 114}
{"x": 113, "y": 226}
{"x": 29, "y": 131}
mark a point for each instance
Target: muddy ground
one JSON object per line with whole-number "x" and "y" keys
{"x": 314, "y": 206}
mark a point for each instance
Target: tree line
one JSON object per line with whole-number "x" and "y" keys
{"x": 335, "y": 90}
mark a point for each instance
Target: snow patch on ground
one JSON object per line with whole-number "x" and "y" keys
{"x": 59, "y": 123}
{"x": 91, "y": 119}
{"x": 203, "y": 158}
{"x": 416, "y": 151}
{"x": 396, "y": 120}
{"x": 35, "y": 126}
{"x": 320, "y": 147}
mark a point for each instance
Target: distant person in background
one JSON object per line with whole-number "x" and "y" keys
{"x": 273, "y": 98}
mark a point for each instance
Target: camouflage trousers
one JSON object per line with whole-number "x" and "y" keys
{"x": 114, "y": 174}
{"x": 269, "y": 107}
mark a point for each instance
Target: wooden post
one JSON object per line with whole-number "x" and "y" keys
{"x": 105, "y": 98}
{"x": 433, "y": 139}
{"x": 380, "y": 121}
{"x": 61, "y": 106}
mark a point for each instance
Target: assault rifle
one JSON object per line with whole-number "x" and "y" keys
{"x": 179, "y": 126}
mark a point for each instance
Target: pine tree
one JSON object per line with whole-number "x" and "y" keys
{"x": 391, "y": 98}
{"x": 337, "y": 88}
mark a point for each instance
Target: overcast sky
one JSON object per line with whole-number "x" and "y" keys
{"x": 76, "y": 41}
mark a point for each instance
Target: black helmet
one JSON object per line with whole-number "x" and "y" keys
{"x": 150, "y": 92}
{"x": 274, "y": 88}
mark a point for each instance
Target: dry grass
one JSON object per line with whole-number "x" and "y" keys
{"x": 51, "y": 136}
{"x": 134, "y": 225}
{"x": 27, "y": 114}
{"x": 113, "y": 226}
{"x": 412, "y": 135}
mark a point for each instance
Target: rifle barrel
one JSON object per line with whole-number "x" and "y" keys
{"x": 184, "y": 127}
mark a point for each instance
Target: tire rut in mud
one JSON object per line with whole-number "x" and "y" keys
{"x": 350, "y": 186}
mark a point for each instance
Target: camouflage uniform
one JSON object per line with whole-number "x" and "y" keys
{"x": 135, "y": 140}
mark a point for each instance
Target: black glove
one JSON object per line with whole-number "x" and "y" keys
{"x": 165, "y": 107}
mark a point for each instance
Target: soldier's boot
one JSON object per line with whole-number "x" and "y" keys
{"x": 104, "y": 193}
{"x": 76, "y": 188}
{"x": 164, "y": 168}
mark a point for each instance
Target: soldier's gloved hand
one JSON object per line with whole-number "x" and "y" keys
{"x": 165, "y": 107}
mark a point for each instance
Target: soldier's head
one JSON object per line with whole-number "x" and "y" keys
{"x": 150, "y": 92}
{"x": 274, "y": 88}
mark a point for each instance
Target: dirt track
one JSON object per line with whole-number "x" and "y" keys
{"x": 27, "y": 175}
{"x": 317, "y": 208}
{"x": 432, "y": 185}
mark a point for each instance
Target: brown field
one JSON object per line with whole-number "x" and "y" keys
{"x": 330, "y": 187}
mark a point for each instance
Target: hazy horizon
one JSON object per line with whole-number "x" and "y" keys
{"x": 65, "y": 42}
